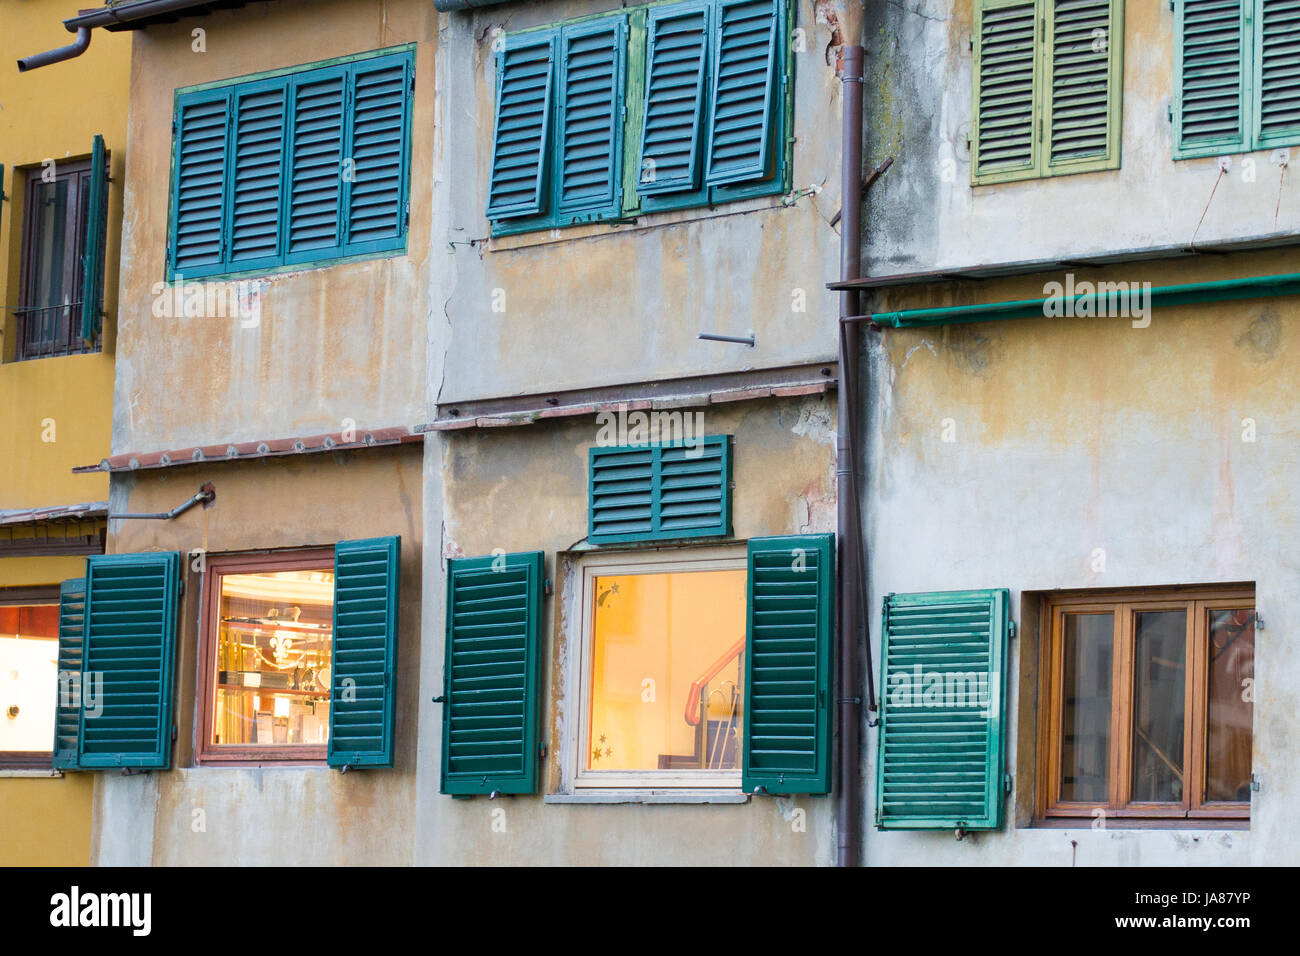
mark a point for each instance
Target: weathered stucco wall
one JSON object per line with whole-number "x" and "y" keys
{"x": 333, "y": 344}
{"x": 526, "y": 489}
{"x": 602, "y": 305}
{"x": 271, "y": 816}
{"x": 924, "y": 213}
{"x": 1072, "y": 435}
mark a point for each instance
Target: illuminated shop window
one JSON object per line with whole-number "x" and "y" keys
{"x": 29, "y": 681}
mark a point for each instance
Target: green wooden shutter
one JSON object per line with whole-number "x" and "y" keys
{"x": 591, "y": 119}
{"x": 644, "y": 492}
{"x": 198, "y": 200}
{"x": 942, "y": 718}
{"x": 378, "y": 147}
{"x": 788, "y": 664}
{"x": 1006, "y": 66}
{"x": 1277, "y": 66}
{"x": 92, "y": 273}
{"x": 130, "y": 636}
{"x": 315, "y": 173}
{"x": 491, "y": 674}
{"x": 367, "y": 601}
{"x": 67, "y": 714}
{"x": 1211, "y": 95}
{"x": 742, "y": 91}
{"x": 1084, "y": 82}
{"x": 255, "y": 174}
{"x": 517, "y": 180}
{"x": 676, "y": 66}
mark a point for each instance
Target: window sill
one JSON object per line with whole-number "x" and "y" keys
{"x": 31, "y": 773}
{"x": 648, "y": 796}
{"x": 1144, "y": 823}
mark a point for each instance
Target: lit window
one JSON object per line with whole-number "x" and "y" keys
{"x": 29, "y": 681}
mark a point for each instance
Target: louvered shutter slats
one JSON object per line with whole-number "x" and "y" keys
{"x": 316, "y": 166}
{"x": 644, "y": 492}
{"x": 520, "y": 137}
{"x": 592, "y": 115}
{"x": 72, "y": 618}
{"x": 1212, "y": 59}
{"x": 1080, "y": 79}
{"x": 676, "y": 62}
{"x": 622, "y": 492}
{"x": 200, "y": 176}
{"x": 378, "y": 129}
{"x": 1005, "y": 87}
{"x": 259, "y": 140}
{"x": 1279, "y": 71}
{"x": 742, "y": 92}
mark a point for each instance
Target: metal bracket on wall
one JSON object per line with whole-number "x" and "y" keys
{"x": 206, "y": 495}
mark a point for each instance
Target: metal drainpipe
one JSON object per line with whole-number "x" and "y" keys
{"x": 849, "y": 696}
{"x": 73, "y": 49}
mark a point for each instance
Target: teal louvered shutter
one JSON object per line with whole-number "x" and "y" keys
{"x": 743, "y": 90}
{"x": 1006, "y": 61}
{"x": 67, "y": 714}
{"x": 517, "y": 176}
{"x": 198, "y": 200}
{"x": 315, "y": 168}
{"x": 1211, "y": 95}
{"x": 127, "y": 664}
{"x": 1277, "y": 65}
{"x": 491, "y": 674}
{"x": 942, "y": 718}
{"x": 590, "y": 126}
{"x": 258, "y": 116}
{"x": 367, "y": 601}
{"x": 378, "y": 148}
{"x": 92, "y": 272}
{"x": 1084, "y": 83}
{"x": 789, "y": 665}
{"x": 676, "y": 66}
{"x": 645, "y": 492}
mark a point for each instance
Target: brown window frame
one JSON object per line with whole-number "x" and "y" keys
{"x": 217, "y": 566}
{"x": 30, "y": 759}
{"x": 1194, "y": 810}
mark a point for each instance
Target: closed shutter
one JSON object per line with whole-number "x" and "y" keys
{"x": 522, "y": 128}
{"x": 92, "y": 273}
{"x": 788, "y": 665}
{"x": 130, "y": 637}
{"x": 376, "y": 182}
{"x": 491, "y": 674}
{"x": 1002, "y": 140}
{"x": 1083, "y": 102}
{"x": 315, "y": 165}
{"x": 255, "y": 177}
{"x": 1278, "y": 69}
{"x": 367, "y": 601}
{"x": 1210, "y": 56}
{"x": 743, "y": 91}
{"x": 199, "y": 199}
{"x": 591, "y": 118}
{"x": 643, "y": 492}
{"x": 676, "y": 65}
{"x": 940, "y": 759}
{"x": 72, "y": 630}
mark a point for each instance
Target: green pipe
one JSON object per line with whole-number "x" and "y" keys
{"x": 1088, "y": 304}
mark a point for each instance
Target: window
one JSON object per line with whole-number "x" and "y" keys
{"x": 1048, "y": 78}
{"x": 1149, "y": 703}
{"x": 1235, "y": 86}
{"x": 29, "y": 679}
{"x": 645, "y": 492}
{"x": 294, "y": 169}
{"x": 662, "y": 107}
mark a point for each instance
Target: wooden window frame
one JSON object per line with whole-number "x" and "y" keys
{"x": 1193, "y": 810}
{"x": 30, "y": 759}
{"x": 207, "y": 753}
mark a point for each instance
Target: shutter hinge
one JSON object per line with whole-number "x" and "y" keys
{"x": 406, "y": 216}
{"x": 1259, "y": 622}
{"x": 1007, "y": 783}
{"x": 1040, "y": 128}
{"x": 1011, "y": 629}
{"x": 970, "y": 42}
{"x": 1256, "y": 783}
{"x": 547, "y": 589}
{"x": 541, "y": 749}
{"x": 176, "y": 732}
{"x": 174, "y": 125}
{"x": 1171, "y": 112}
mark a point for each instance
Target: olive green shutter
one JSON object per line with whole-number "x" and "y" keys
{"x": 942, "y": 717}
{"x": 67, "y": 714}
{"x": 1211, "y": 88}
{"x": 676, "y": 67}
{"x": 663, "y": 491}
{"x": 521, "y": 133}
{"x": 92, "y": 274}
{"x": 743, "y": 90}
{"x": 491, "y": 674}
{"x": 1083, "y": 79}
{"x": 128, "y": 659}
{"x": 1277, "y": 66}
{"x": 788, "y": 665}
{"x": 590, "y": 125}
{"x": 367, "y": 601}
{"x": 1003, "y": 132}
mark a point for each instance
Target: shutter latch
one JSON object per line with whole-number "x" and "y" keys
{"x": 1011, "y": 628}
{"x": 1007, "y": 783}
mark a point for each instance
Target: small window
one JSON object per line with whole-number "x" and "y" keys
{"x": 29, "y": 681}
{"x": 662, "y": 672}
{"x": 1150, "y": 705}
{"x": 268, "y": 651}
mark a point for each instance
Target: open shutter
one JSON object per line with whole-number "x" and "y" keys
{"x": 591, "y": 118}
{"x": 940, "y": 760}
{"x": 676, "y": 61}
{"x": 788, "y": 665}
{"x": 92, "y": 275}
{"x": 1210, "y": 95}
{"x": 367, "y": 575}
{"x": 199, "y": 199}
{"x": 126, "y": 675}
{"x": 315, "y": 165}
{"x": 67, "y": 714}
{"x": 643, "y": 492}
{"x": 743, "y": 90}
{"x": 1082, "y": 103}
{"x": 1277, "y": 58}
{"x": 377, "y": 181}
{"x": 523, "y": 118}
{"x": 1006, "y": 60}
{"x": 259, "y": 122}
{"x": 491, "y": 674}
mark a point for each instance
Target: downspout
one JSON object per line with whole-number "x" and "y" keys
{"x": 82, "y": 24}
{"x": 73, "y": 49}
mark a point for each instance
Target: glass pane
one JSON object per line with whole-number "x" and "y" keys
{"x": 29, "y": 676}
{"x": 667, "y": 671}
{"x": 49, "y": 250}
{"x": 1159, "y": 705}
{"x": 1085, "y": 726}
{"x": 1231, "y": 704}
{"x": 273, "y": 658}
